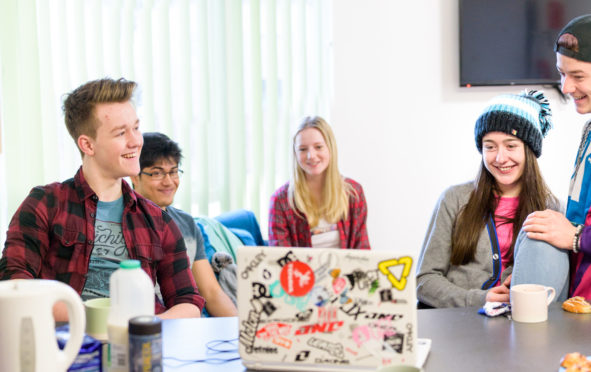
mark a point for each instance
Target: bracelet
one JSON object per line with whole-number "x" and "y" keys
{"x": 576, "y": 243}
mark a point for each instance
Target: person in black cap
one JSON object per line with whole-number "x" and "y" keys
{"x": 467, "y": 255}
{"x": 570, "y": 233}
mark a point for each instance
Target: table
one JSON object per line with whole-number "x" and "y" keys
{"x": 187, "y": 339}
{"x": 466, "y": 341}
{"x": 462, "y": 340}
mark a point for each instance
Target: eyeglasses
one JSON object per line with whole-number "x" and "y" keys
{"x": 157, "y": 175}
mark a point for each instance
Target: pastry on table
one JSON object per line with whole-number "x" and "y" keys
{"x": 576, "y": 362}
{"x": 577, "y": 304}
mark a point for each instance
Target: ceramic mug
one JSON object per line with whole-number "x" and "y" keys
{"x": 529, "y": 302}
{"x": 97, "y": 312}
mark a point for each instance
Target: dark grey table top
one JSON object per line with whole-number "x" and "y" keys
{"x": 463, "y": 340}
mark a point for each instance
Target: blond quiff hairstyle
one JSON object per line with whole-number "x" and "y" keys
{"x": 334, "y": 205}
{"x": 79, "y": 104}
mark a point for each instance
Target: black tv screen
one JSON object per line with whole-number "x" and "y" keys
{"x": 511, "y": 42}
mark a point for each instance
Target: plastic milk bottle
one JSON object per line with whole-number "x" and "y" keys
{"x": 132, "y": 294}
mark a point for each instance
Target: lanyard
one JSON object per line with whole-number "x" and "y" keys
{"x": 496, "y": 254}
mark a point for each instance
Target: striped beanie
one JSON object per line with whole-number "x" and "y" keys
{"x": 526, "y": 116}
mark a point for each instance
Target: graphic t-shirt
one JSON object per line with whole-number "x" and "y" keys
{"x": 108, "y": 251}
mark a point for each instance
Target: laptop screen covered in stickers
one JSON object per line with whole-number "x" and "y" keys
{"x": 316, "y": 309}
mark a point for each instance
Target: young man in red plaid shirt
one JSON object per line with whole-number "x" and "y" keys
{"x": 79, "y": 230}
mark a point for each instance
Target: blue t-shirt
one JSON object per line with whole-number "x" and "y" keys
{"x": 108, "y": 251}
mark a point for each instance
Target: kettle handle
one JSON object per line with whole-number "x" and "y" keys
{"x": 77, "y": 320}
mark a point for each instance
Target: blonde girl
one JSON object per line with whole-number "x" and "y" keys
{"x": 318, "y": 207}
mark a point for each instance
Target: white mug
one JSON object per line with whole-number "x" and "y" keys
{"x": 529, "y": 302}
{"x": 27, "y": 328}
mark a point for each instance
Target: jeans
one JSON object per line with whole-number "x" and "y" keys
{"x": 538, "y": 262}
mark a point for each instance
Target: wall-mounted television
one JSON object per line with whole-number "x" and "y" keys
{"x": 511, "y": 42}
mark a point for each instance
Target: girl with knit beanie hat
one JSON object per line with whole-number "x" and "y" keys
{"x": 468, "y": 251}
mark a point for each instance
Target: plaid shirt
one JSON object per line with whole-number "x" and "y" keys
{"x": 51, "y": 237}
{"x": 288, "y": 229}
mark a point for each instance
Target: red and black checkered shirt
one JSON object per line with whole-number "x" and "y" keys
{"x": 51, "y": 237}
{"x": 288, "y": 229}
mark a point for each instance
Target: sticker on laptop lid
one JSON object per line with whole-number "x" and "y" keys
{"x": 297, "y": 278}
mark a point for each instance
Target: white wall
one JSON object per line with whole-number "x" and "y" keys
{"x": 404, "y": 127}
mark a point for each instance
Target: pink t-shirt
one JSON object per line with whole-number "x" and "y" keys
{"x": 506, "y": 208}
{"x": 580, "y": 281}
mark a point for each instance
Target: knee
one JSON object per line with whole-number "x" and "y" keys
{"x": 539, "y": 253}
{"x": 525, "y": 245}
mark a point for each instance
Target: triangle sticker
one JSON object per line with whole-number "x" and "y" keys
{"x": 399, "y": 266}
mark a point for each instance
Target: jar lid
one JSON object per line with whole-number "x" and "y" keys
{"x": 130, "y": 264}
{"x": 145, "y": 325}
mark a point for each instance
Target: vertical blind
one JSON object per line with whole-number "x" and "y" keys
{"x": 227, "y": 79}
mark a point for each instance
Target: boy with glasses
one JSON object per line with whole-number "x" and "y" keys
{"x": 158, "y": 181}
{"x": 79, "y": 230}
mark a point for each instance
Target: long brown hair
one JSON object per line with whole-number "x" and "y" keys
{"x": 534, "y": 196}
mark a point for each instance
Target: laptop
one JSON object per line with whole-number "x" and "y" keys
{"x": 321, "y": 309}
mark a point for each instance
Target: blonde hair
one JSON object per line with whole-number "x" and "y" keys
{"x": 79, "y": 105}
{"x": 334, "y": 204}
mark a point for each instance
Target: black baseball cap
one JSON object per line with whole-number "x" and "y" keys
{"x": 580, "y": 30}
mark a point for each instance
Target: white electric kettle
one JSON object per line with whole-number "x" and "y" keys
{"x": 27, "y": 329}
